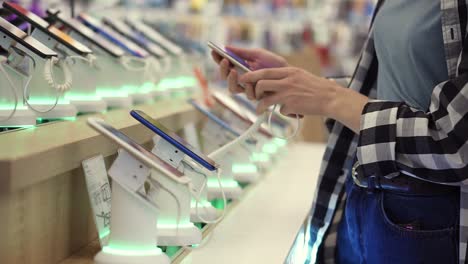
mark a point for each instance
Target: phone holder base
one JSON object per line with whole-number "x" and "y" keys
{"x": 58, "y": 112}
{"x": 232, "y": 192}
{"x": 21, "y": 117}
{"x": 109, "y": 258}
{"x": 246, "y": 177}
{"x": 118, "y": 102}
{"x": 133, "y": 224}
{"x": 159, "y": 95}
{"x": 141, "y": 98}
{"x": 96, "y": 106}
{"x": 205, "y": 211}
{"x": 185, "y": 236}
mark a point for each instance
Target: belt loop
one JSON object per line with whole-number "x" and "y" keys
{"x": 372, "y": 183}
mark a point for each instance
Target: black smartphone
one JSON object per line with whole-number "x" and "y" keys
{"x": 54, "y": 32}
{"x": 26, "y": 40}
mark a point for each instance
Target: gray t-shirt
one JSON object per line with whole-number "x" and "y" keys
{"x": 410, "y": 50}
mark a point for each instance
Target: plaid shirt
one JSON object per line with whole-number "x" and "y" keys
{"x": 395, "y": 138}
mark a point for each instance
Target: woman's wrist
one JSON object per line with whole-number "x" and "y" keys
{"x": 346, "y": 107}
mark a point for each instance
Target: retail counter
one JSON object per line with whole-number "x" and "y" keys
{"x": 45, "y": 215}
{"x": 262, "y": 225}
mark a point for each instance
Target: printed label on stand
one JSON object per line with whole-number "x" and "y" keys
{"x": 99, "y": 192}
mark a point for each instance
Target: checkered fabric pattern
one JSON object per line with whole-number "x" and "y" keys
{"x": 395, "y": 138}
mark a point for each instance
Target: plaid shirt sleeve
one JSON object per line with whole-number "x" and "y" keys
{"x": 431, "y": 145}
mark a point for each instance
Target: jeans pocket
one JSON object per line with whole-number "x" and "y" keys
{"x": 420, "y": 216}
{"x": 406, "y": 230}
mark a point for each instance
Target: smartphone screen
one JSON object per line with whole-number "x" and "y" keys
{"x": 230, "y": 56}
{"x": 213, "y": 117}
{"x": 132, "y": 146}
{"x": 87, "y": 33}
{"x": 54, "y": 32}
{"x": 113, "y": 36}
{"x": 26, "y": 40}
{"x": 174, "y": 139}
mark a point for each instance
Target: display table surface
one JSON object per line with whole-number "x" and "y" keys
{"x": 262, "y": 226}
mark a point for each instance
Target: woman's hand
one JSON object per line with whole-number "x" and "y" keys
{"x": 255, "y": 58}
{"x": 302, "y": 93}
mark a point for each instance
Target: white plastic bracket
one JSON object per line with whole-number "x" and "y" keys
{"x": 167, "y": 152}
{"x": 128, "y": 171}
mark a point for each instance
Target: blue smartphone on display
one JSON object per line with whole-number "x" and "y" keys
{"x": 213, "y": 117}
{"x": 174, "y": 139}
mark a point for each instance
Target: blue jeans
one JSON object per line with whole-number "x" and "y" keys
{"x": 384, "y": 227}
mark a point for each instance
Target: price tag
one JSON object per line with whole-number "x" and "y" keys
{"x": 99, "y": 192}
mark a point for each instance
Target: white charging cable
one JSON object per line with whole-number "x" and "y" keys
{"x": 219, "y": 153}
{"x": 197, "y": 195}
{"x": 49, "y": 78}
{"x": 127, "y": 60}
{"x": 90, "y": 59}
{"x": 153, "y": 71}
{"x": 296, "y": 130}
{"x": 3, "y": 59}
{"x": 166, "y": 64}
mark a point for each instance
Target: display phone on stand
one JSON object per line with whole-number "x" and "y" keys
{"x": 56, "y": 33}
{"x": 174, "y": 139}
{"x": 57, "y": 17}
{"x": 136, "y": 150}
{"x": 98, "y": 27}
{"x": 238, "y": 62}
{"x": 24, "y": 39}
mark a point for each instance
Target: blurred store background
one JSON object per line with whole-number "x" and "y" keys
{"x": 323, "y": 36}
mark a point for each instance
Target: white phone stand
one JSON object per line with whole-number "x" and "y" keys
{"x": 108, "y": 75}
{"x": 175, "y": 157}
{"x": 133, "y": 238}
{"x": 22, "y": 116}
{"x": 263, "y": 160}
{"x": 243, "y": 168}
{"x": 83, "y": 93}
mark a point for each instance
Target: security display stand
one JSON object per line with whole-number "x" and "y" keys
{"x": 262, "y": 159}
{"x": 22, "y": 116}
{"x": 133, "y": 237}
{"x": 243, "y": 168}
{"x": 42, "y": 97}
{"x": 198, "y": 176}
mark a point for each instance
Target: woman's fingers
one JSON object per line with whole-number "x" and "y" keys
{"x": 224, "y": 68}
{"x": 263, "y": 74}
{"x": 269, "y": 100}
{"x": 232, "y": 82}
{"x": 265, "y": 87}
{"x": 216, "y": 57}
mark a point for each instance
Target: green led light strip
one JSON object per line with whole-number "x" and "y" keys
{"x": 110, "y": 92}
